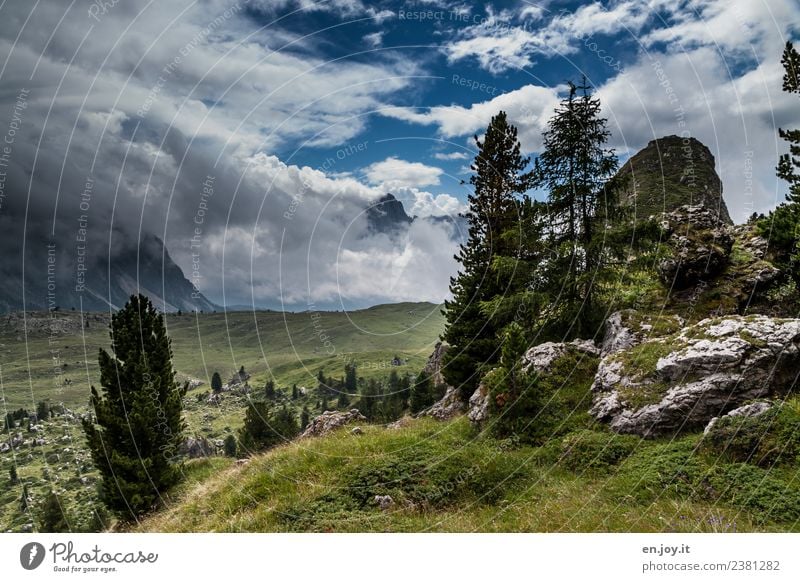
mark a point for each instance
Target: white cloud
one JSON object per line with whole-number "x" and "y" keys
{"x": 504, "y": 41}
{"x": 396, "y": 173}
{"x": 421, "y": 203}
{"x": 529, "y": 108}
{"x": 451, "y": 156}
{"x": 374, "y": 39}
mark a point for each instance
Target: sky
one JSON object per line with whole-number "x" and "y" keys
{"x": 252, "y": 135}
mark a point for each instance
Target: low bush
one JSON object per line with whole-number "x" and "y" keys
{"x": 595, "y": 450}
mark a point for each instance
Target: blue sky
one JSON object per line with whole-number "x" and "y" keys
{"x": 305, "y": 113}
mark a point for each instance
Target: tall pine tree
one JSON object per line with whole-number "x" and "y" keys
{"x": 782, "y": 225}
{"x": 576, "y": 168}
{"x": 499, "y": 175}
{"x": 137, "y": 425}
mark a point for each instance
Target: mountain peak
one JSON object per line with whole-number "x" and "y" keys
{"x": 672, "y": 171}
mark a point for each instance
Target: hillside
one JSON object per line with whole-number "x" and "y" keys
{"x": 443, "y": 478}
{"x": 53, "y": 358}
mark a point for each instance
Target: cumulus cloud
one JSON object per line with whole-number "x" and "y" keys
{"x": 396, "y": 173}
{"x": 451, "y": 156}
{"x": 528, "y": 107}
{"x": 161, "y": 99}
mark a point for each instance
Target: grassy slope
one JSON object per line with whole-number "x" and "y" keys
{"x": 267, "y": 342}
{"x": 444, "y": 477}
{"x": 285, "y": 345}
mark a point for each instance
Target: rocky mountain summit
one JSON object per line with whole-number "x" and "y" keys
{"x": 671, "y": 172}
{"x": 718, "y": 337}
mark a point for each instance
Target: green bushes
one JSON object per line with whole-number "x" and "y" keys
{"x": 535, "y": 407}
{"x": 771, "y": 438}
{"x": 590, "y": 450}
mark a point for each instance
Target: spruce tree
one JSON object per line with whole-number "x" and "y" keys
{"x": 304, "y": 418}
{"x": 499, "y": 175}
{"x": 575, "y": 168}
{"x": 12, "y": 474}
{"x": 53, "y": 519}
{"x": 42, "y": 411}
{"x": 269, "y": 390}
{"x": 229, "y": 446}
{"x": 295, "y": 392}
{"x": 782, "y": 225}
{"x": 216, "y": 382}
{"x": 265, "y": 426}
{"x": 137, "y": 426}
{"x": 421, "y": 393}
{"x": 350, "y": 379}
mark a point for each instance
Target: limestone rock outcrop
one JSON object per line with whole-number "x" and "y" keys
{"x": 331, "y": 420}
{"x": 683, "y": 380}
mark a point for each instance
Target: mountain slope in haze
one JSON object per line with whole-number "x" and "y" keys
{"x": 388, "y": 216}
{"x": 53, "y": 280}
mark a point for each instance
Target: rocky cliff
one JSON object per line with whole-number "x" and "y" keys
{"x": 672, "y": 172}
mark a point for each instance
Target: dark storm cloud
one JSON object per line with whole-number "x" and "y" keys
{"x": 159, "y": 118}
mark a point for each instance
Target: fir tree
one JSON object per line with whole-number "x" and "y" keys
{"x": 782, "y": 225}
{"x": 343, "y": 401}
{"x": 216, "y": 382}
{"x": 350, "y": 379}
{"x": 12, "y": 474}
{"x": 498, "y": 177}
{"x": 269, "y": 390}
{"x": 304, "y": 418}
{"x": 266, "y": 427}
{"x": 53, "y": 519}
{"x": 295, "y": 392}
{"x": 229, "y": 446}
{"x": 24, "y": 503}
{"x": 42, "y": 411}
{"x": 575, "y": 167}
{"x": 138, "y": 427}
{"x": 421, "y": 393}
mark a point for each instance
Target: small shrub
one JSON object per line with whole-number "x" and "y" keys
{"x": 769, "y": 439}
{"x": 587, "y": 449}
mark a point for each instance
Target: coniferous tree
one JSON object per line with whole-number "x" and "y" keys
{"x": 216, "y": 382}
{"x": 229, "y": 446}
{"x": 12, "y": 474}
{"x": 53, "y": 519}
{"x": 498, "y": 177}
{"x": 42, "y": 411}
{"x": 24, "y": 504}
{"x": 304, "y": 418}
{"x": 350, "y": 379}
{"x": 137, "y": 426}
{"x": 421, "y": 393}
{"x": 782, "y": 225}
{"x": 269, "y": 390}
{"x": 369, "y": 400}
{"x": 343, "y": 401}
{"x": 265, "y": 426}
{"x": 576, "y": 168}
{"x": 295, "y": 392}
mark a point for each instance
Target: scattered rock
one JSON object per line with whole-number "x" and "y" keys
{"x": 701, "y": 245}
{"x": 447, "y": 407}
{"x": 479, "y": 406}
{"x": 197, "y": 447}
{"x": 683, "y": 380}
{"x": 540, "y": 358}
{"x": 331, "y": 420}
{"x": 748, "y": 410}
{"x": 433, "y": 367}
{"x": 384, "y": 502}
{"x": 402, "y": 422}
{"x": 356, "y": 430}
